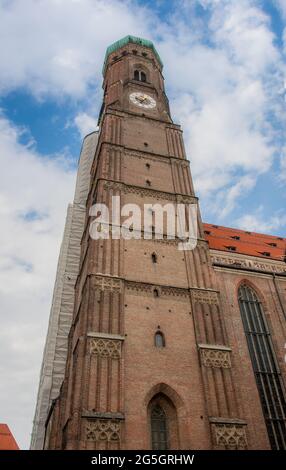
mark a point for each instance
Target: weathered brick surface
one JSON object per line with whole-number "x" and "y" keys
{"x": 115, "y": 301}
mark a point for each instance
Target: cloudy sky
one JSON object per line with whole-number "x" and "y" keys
{"x": 224, "y": 66}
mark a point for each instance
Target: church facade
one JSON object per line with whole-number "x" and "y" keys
{"x": 167, "y": 348}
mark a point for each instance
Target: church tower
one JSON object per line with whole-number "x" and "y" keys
{"x": 149, "y": 364}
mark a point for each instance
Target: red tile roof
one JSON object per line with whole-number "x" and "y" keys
{"x": 244, "y": 242}
{"x": 7, "y": 441}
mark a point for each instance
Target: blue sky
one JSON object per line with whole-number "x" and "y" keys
{"x": 224, "y": 68}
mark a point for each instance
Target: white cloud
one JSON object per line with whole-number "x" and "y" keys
{"x": 33, "y": 198}
{"x": 85, "y": 124}
{"x": 227, "y": 198}
{"x": 282, "y": 6}
{"x": 225, "y": 87}
{"x": 282, "y": 175}
{"x": 57, "y": 46}
{"x": 259, "y": 222}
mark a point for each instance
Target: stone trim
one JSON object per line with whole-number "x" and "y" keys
{"x": 163, "y": 290}
{"x": 103, "y": 430}
{"x": 110, "y": 283}
{"x": 117, "y": 284}
{"x": 92, "y": 334}
{"x": 224, "y": 420}
{"x": 147, "y": 192}
{"x": 248, "y": 262}
{"x": 219, "y": 347}
{"x": 205, "y": 296}
{"x": 215, "y": 356}
{"x": 145, "y": 154}
{"x": 104, "y": 347}
{"x": 102, "y": 415}
{"x": 228, "y": 434}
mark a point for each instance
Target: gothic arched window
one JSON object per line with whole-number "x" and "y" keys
{"x": 140, "y": 76}
{"x": 265, "y": 366}
{"x": 159, "y": 428}
{"x": 159, "y": 340}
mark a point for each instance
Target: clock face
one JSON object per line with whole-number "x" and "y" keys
{"x": 142, "y": 100}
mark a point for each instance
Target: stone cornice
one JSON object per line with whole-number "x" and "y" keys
{"x": 101, "y": 415}
{"x": 237, "y": 261}
{"x": 221, "y": 420}
{"x": 117, "y": 284}
{"x": 145, "y": 154}
{"x": 92, "y": 334}
{"x": 178, "y": 198}
{"x": 205, "y": 296}
{"x": 218, "y": 347}
{"x": 122, "y": 114}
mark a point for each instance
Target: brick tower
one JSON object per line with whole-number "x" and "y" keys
{"x": 149, "y": 365}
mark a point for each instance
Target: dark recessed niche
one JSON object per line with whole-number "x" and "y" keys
{"x": 146, "y": 144}
{"x": 156, "y": 292}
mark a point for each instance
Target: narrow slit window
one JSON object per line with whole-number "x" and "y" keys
{"x": 159, "y": 340}
{"x": 156, "y": 292}
{"x": 154, "y": 257}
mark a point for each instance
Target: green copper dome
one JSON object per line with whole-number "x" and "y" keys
{"x": 122, "y": 42}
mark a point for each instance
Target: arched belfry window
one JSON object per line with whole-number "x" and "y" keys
{"x": 140, "y": 76}
{"x": 265, "y": 366}
{"x": 159, "y": 340}
{"x": 159, "y": 433}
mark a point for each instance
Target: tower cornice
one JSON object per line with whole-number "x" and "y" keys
{"x": 127, "y": 40}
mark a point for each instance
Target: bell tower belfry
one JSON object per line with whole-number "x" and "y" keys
{"x": 133, "y": 81}
{"x": 149, "y": 365}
